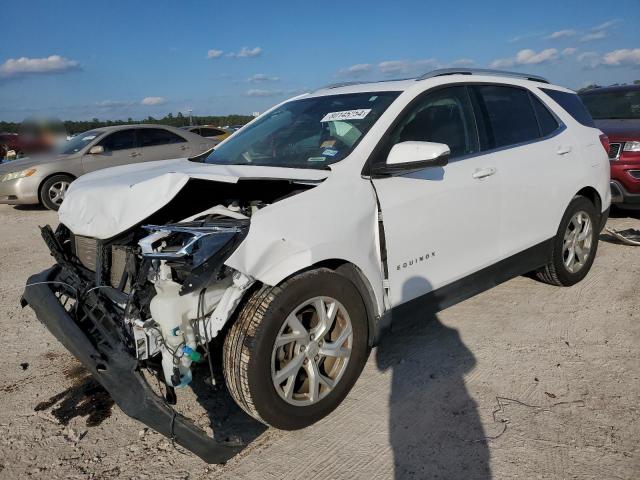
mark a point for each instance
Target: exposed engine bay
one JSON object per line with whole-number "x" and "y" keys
{"x": 161, "y": 289}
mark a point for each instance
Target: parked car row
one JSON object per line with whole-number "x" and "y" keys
{"x": 45, "y": 179}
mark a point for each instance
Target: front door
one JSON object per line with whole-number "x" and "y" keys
{"x": 120, "y": 148}
{"x": 440, "y": 224}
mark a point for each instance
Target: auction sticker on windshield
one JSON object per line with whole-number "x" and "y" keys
{"x": 346, "y": 115}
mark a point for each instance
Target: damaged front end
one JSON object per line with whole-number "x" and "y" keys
{"x": 150, "y": 299}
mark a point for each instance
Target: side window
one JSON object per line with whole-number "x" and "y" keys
{"x": 150, "y": 137}
{"x": 548, "y": 123}
{"x": 120, "y": 140}
{"x": 444, "y": 116}
{"x": 506, "y": 116}
{"x": 572, "y": 104}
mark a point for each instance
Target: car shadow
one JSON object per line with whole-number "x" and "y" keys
{"x": 31, "y": 207}
{"x": 434, "y": 425}
{"x": 229, "y": 423}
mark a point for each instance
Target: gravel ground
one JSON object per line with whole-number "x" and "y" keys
{"x": 524, "y": 381}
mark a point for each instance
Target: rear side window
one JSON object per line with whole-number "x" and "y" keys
{"x": 548, "y": 123}
{"x": 120, "y": 140}
{"x": 150, "y": 137}
{"x": 506, "y": 116}
{"x": 573, "y": 106}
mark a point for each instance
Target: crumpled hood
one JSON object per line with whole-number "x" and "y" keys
{"x": 105, "y": 203}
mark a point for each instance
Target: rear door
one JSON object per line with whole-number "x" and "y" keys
{"x": 528, "y": 146}
{"x": 120, "y": 148}
{"x": 161, "y": 144}
{"x": 440, "y": 224}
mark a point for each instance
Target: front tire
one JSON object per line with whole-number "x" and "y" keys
{"x": 575, "y": 245}
{"x": 296, "y": 349}
{"x": 53, "y": 190}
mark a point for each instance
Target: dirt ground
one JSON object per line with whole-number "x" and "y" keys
{"x": 524, "y": 381}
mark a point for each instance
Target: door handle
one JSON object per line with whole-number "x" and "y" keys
{"x": 184, "y": 147}
{"x": 563, "y": 149}
{"x": 134, "y": 154}
{"x": 483, "y": 173}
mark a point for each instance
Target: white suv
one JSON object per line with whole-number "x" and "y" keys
{"x": 287, "y": 249}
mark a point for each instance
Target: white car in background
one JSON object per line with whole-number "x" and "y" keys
{"x": 295, "y": 241}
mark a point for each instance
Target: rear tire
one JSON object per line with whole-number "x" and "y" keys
{"x": 574, "y": 246}
{"x": 54, "y": 189}
{"x": 274, "y": 383}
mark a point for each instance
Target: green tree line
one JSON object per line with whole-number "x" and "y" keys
{"x": 179, "y": 120}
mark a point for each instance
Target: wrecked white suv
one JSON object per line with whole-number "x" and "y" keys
{"x": 278, "y": 258}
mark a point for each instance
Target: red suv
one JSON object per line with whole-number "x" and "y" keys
{"x": 616, "y": 111}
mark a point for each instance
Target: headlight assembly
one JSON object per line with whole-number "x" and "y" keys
{"x": 631, "y": 147}
{"x": 195, "y": 249}
{"x": 20, "y": 174}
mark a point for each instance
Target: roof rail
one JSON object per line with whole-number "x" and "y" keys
{"x": 340, "y": 84}
{"x": 480, "y": 71}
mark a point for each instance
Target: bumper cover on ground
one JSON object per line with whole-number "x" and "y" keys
{"x": 117, "y": 371}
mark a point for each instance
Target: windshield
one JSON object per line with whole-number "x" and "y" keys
{"x": 307, "y": 133}
{"x": 78, "y": 142}
{"x": 605, "y": 105}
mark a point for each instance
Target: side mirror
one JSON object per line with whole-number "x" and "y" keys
{"x": 409, "y": 156}
{"x": 96, "y": 150}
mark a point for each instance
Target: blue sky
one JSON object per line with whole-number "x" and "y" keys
{"x": 121, "y": 59}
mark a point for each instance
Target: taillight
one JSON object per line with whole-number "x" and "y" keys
{"x": 605, "y": 142}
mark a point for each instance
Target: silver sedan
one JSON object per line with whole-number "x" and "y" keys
{"x": 45, "y": 179}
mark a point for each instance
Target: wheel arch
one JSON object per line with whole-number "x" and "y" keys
{"x": 593, "y": 195}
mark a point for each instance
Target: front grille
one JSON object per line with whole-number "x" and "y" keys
{"x": 614, "y": 150}
{"x": 86, "y": 251}
{"x": 635, "y": 173}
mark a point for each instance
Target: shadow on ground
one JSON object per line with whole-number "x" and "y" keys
{"x": 230, "y": 424}
{"x": 434, "y": 425}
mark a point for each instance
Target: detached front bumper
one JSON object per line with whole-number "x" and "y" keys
{"x": 93, "y": 339}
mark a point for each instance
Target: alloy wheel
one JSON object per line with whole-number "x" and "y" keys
{"x": 57, "y": 191}
{"x": 578, "y": 241}
{"x": 311, "y": 352}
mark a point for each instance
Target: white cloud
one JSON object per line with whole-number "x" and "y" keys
{"x": 622, "y": 57}
{"x": 37, "y": 66}
{"x": 569, "y": 51}
{"x": 526, "y": 57}
{"x": 153, "y": 101}
{"x": 246, "y": 52}
{"x": 258, "y": 92}
{"x": 262, "y": 78}
{"x": 561, "y": 34}
{"x": 595, "y": 35}
{"x": 605, "y": 25}
{"x": 213, "y": 53}
{"x": 396, "y": 67}
{"x": 356, "y": 70}
{"x": 589, "y": 59}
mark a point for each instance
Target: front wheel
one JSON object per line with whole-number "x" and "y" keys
{"x": 575, "y": 245}
{"x": 53, "y": 191}
{"x": 296, "y": 350}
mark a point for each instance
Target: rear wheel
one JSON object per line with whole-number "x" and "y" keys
{"x": 575, "y": 245}
{"x": 296, "y": 350}
{"x": 53, "y": 191}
